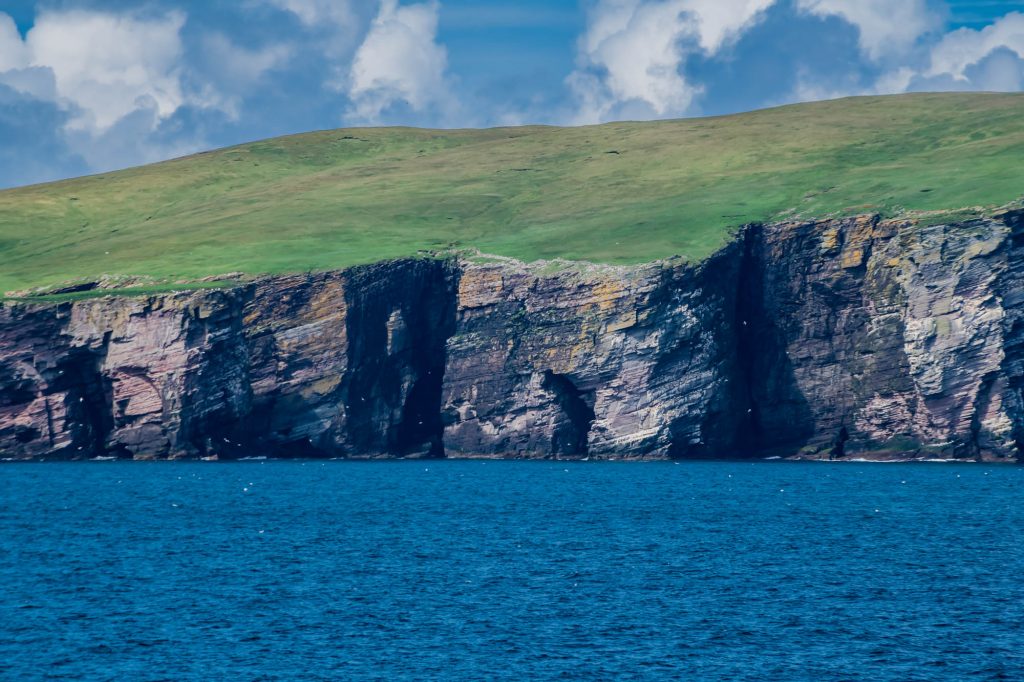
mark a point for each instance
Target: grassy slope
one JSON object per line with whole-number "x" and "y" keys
{"x": 337, "y": 198}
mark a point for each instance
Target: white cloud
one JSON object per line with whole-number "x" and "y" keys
{"x": 888, "y": 28}
{"x": 901, "y": 40}
{"x": 989, "y": 59}
{"x": 318, "y": 12}
{"x": 1001, "y": 71}
{"x": 400, "y": 61}
{"x": 103, "y": 67}
{"x": 120, "y": 78}
{"x": 894, "y": 81}
{"x": 962, "y": 48}
{"x": 13, "y": 53}
{"x": 632, "y": 52}
{"x": 721, "y": 21}
{"x": 631, "y": 56}
{"x": 110, "y": 65}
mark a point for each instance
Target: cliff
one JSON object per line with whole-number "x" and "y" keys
{"x": 833, "y": 339}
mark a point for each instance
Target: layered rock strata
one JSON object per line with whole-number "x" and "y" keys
{"x": 596, "y": 361}
{"x": 333, "y": 364}
{"x": 831, "y": 339}
{"x": 879, "y": 336}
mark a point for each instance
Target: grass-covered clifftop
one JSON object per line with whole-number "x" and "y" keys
{"x": 619, "y": 193}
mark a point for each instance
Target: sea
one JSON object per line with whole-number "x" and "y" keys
{"x": 511, "y": 570}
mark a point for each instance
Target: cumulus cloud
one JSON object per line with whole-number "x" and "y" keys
{"x": 109, "y": 65}
{"x": 721, "y": 21}
{"x": 631, "y": 56}
{"x": 1002, "y": 70}
{"x": 634, "y": 56}
{"x": 961, "y": 49}
{"x": 400, "y": 64}
{"x": 987, "y": 59}
{"x": 887, "y": 28}
{"x": 98, "y": 69}
{"x": 240, "y": 65}
{"x": 142, "y": 136}
{"x": 120, "y": 79}
{"x": 13, "y": 53}
{"x": 905, "y": 51}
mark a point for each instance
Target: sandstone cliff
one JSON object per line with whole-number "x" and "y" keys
{"x": 843, "y": 338}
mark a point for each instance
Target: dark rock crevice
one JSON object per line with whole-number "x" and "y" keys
{"x": 88, "y": 404}
{"x": 839, "y": 445}
{"x": 975, "y": 443}
{"x": 775, "y": 413}
{"x": 398, "y": 323}
{"x": 750, "y": 330}
{"x": 421, "y": 430}
{"x": 216, "y": 419}
{"x": 569, "y": 437}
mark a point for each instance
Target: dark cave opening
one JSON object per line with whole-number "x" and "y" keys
{"x": 89, "y": 402}
{"x": 420, "y": 430}
{"x": 750, "y": 342}
{"x": 839, "y": 448}
{"x": 398, "y": 332}
{"x": 570, "y": 435}
{"x": 773, "y": 413}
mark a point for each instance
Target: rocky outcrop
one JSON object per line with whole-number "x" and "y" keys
{"x": 596, "y": 361}
{"x": 885, "y": 336}
{"x": 844, "y": 338}
{"x": 347, "y": 364}
{"x": 333, "y": 364}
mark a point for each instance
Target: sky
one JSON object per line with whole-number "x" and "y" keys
{"x": 89, "y": 86}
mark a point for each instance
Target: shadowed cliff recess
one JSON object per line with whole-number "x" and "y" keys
{"x": 857, "y": 337}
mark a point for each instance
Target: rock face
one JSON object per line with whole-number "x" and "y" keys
{"x": 596, "y": 361}
{"x": 831, "y": 339}
{"x": 888, "y": 337}
{"x": 336, "y": 364}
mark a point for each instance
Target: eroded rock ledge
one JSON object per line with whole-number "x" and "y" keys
{"x": 830, "y": 339}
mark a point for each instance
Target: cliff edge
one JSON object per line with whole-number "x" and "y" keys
{"x": 839, "y": 339}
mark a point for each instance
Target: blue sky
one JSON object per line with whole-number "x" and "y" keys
{"x": 93, "y": 85}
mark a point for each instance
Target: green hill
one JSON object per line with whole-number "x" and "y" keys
{"x": 619, "y": 193}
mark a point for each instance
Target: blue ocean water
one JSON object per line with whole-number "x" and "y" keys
{"x": 485, "y": 570}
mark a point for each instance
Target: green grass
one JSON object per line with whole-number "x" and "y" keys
{"x": 163, "y": 288}
{"x": 338, "y": 198}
